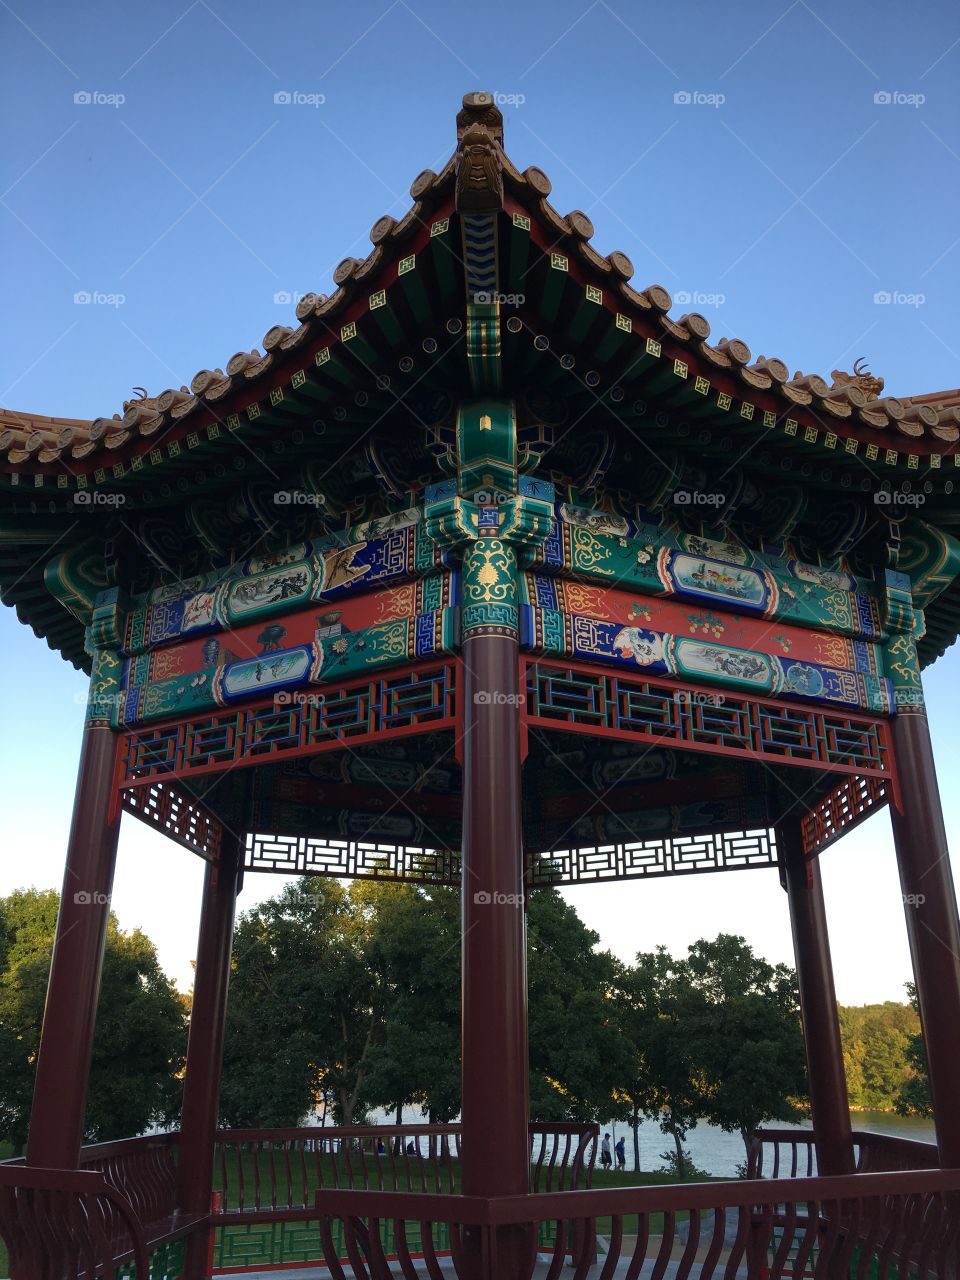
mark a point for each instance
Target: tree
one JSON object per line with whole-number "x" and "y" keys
{"x": 876, "y": 1046}
{"x": 661, "y": 1080}
{"x": 914, "y": 1097}
{"x": 354, "y": 994}
{"x": 301, "y": 1009}
{"x": 742, "y": 1016}
{"x": 577, "y": 1052}
{"x": 415, "y": 945}
{"x": 140, "y": 1037}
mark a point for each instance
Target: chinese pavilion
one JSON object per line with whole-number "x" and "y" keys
{"x": 491, "y": 572}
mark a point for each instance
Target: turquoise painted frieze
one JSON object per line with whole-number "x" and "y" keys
{"x": 601, "y": 547}
{"x": 221, "y": 677}
{"x": 701, "y": 660}
{"x": 386, "y": 550}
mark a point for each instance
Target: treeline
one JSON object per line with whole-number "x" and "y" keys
{"x": 883, "y": 1057}
{"x": 347, "y": 999}
{"x": 141, "y": 1033}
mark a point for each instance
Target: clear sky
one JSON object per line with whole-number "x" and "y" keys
{"x": 781, "y": 163}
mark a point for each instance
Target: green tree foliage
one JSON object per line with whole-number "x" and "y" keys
{"x": 914, "y": 1097}
{"x": 140, "y": 1036}
{"x": 355, "y": 994}
{"x": 715, "y": 1036}
{"x": 415, "y": 948}
{"x": 745, "y": 1032}
{"x": 882, "y": 1054}
{"x": 577, "y": 1053}
{"x": 300, "y": 1013}
{"x": 662, "y": 1079}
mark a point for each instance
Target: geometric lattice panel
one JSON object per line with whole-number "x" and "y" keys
{"x": 406, "y": 701}
{"x": 589, "y": 700}
{"x": 162, "y": 806}
{"x": 844, "y": 808}
{"x": 351, "y": 859}
{"x": 665, "y": 856}
{"x": 584, "y": 864}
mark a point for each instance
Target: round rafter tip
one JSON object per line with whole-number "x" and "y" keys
{"x": 581, "y": 224}
{"x": 621, "y": 264}
{"x": 382, "y": 228}
{"x": 538, "y": 180}
{"x": 422, "y": 184}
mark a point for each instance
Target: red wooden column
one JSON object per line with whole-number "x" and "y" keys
{"x": 829, "y": 1103}
{"x": 930, "y": 903}
{"x": 496, "y": 1157}
{"x": 201, "y": 1082}
{"x": 69, "y": 1017}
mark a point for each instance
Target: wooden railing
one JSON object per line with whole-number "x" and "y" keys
{"x": 861, "y": 1225}
{"x": 260, "y": 1169}
{"x": 144, "y": 1170}
{"x": 882, "y": 1153}
{"x": 373, "y": 1194}
{"x": 59, "y": 1224}
{"x": 791, "y": 1153}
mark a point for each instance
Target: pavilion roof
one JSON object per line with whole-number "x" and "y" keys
{"x": 145, "y": 442}
{"x": 31, "y": 443}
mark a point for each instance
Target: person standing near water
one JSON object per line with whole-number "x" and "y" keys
{"x": 620, "y": 1149}
{"x": 606, "y": 1160}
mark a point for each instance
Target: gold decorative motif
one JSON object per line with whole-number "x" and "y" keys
{"x": 906, "y": 669}
{"x": 838, "y": 606}
{"x": 834, "y": 651}
{"x": 589, "y": 552}
{"x": 391, "y": 642}
{"x": 580, "y": 599}
{"x": 492, "y": 582}
{"x": 396, "y": 602}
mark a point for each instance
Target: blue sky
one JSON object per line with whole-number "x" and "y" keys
{"x": 782, "y": 163}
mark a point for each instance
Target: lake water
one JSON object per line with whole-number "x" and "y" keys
{"x": 714, "y": 1151}
{"x": 719, "y": 1153}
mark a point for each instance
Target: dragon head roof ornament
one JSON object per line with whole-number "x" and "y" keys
{"x": 479, "y": 155}
{"x": 861, "y": 377}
